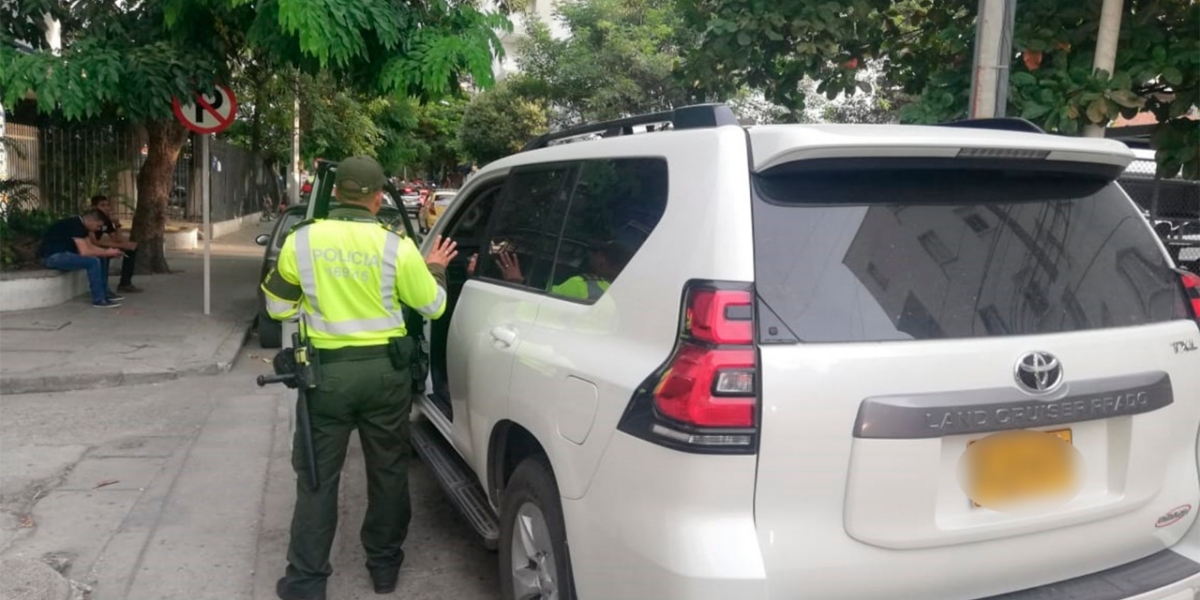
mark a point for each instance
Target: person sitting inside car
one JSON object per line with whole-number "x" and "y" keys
{"x": 606, "y": 260}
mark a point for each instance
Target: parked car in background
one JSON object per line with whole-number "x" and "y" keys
{"x": 270, "y": 331}
{"x": 434, "y": 207}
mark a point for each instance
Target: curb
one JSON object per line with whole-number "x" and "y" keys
{"x": 28, "y": 579}
{"x": 221, "y": 362}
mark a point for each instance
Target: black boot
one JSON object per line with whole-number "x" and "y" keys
{"x": 285, "y": 593}
{"x": 385, "y": 580}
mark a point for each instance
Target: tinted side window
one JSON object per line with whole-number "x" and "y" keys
{"x": 290, "y": 218}
{"x": 615, "y": 206}
{"x": 526, "y": 226}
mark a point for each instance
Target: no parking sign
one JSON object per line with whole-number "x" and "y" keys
{"x": 208, "y": 113}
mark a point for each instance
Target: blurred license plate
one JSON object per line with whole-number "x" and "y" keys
{"x": 1013, "y": 467}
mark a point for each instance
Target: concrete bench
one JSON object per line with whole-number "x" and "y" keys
{"x": 23, "y": 290}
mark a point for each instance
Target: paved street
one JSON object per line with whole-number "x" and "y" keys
{"x": 184, "y": 489}
{"x": 444, "y": 558}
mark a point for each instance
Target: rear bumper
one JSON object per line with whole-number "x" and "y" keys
{"x": 655, "y": 523}
{"x": 1162, "y": 576}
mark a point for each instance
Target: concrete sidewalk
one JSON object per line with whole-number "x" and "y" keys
{"x": 157, "y": 335}
{"x": 130, "y": 492}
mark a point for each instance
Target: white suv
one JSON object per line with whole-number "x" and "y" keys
{"x": 707, "y": 361}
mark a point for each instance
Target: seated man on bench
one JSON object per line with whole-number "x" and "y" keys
{"x": 116, "y": 240}
{"x": 68, "y": 246}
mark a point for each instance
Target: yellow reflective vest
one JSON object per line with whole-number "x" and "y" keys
{"x": 348, "y": 275}
{"x": 583, "y": 287}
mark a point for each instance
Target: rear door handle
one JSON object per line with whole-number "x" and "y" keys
{"x": 504, "y": 336}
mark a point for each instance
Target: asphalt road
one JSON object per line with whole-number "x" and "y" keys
{"x": 184, "y": 489}
{"x": 444, "y": 558}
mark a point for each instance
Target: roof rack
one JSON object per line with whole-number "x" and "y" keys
{"x": 699, "y": 116}
{"x": 997, "y": 123}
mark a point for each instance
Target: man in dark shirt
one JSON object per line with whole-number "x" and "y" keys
{"x": 116, "y": 240}
{"x": 68, "y": 246}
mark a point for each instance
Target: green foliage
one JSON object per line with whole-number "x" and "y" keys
{"x": 18, "y": 194}
{"x": 131, "y": 58}
{"x": 337, "y": 121}
{"x": 1052, "y": 82}
{"x": 774, "y": 46}
{"x": 31, "y": 222}
{"x": 21, "y": 228}
{"x": 926, "y": 49}
{"x": 499, "y": 122}
{"x": 619, "y": 60}
{"x": 434, "y": 140}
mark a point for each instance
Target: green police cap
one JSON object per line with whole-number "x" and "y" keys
{"x": 358, "y": 177}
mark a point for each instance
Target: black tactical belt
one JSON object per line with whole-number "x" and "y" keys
{"x": 350, "y": 353}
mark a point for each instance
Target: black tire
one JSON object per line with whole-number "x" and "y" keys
{"x": 270, "y": 332}
{"x": 533, "y": 483}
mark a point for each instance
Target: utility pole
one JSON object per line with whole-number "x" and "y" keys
{"x": 3, "y": 152}
{"x": 294, "y": 183}
{"x": 1106, "y": 50}
{"x": 993, "y": 55}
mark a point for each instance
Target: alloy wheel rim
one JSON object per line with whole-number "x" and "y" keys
{"x": 534, "y": 566}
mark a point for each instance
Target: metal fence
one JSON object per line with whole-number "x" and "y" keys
{"x": 69, "y": 164}
{"x": 1175, "y": 198}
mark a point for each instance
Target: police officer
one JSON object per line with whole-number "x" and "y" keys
{"x": 347, "y": 275}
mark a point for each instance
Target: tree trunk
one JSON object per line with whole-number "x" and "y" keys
{"x": 154, "y": 182}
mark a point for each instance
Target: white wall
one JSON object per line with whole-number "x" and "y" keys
{"x": 542, "y": 10}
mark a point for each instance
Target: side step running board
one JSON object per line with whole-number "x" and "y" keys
{"x": 458, "y": 480}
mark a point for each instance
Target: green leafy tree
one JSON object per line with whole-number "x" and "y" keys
{"x": 1053, "y": 83}
{"x": 926, "y": 49}
{"x": 619, "y": 60}
{"x": 128, "y": 59}
{"x": 776, "y": 46}
{"x": 429, "y": 142}
{"x": 339, "y": 120}
{"x": 499, "y": 122}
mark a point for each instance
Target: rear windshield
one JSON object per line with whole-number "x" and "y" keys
{"x": 887, "y": 254}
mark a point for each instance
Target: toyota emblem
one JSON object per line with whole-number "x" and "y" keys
{"x": 1039, "y": 373}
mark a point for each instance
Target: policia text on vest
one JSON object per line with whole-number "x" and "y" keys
{"x": 348, "y": 276}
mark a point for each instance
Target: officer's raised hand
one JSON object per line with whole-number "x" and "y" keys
{"x": 443, "y": 251}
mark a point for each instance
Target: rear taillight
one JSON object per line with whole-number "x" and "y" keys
{"x": 704, "y": 398}
{"x": 1191, "y": 288}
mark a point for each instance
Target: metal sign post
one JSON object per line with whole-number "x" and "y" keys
{"x": 206, "y": 115}
{"x": 205, "y": 192}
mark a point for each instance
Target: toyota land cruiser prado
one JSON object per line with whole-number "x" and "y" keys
{"x": 708, "y": 361}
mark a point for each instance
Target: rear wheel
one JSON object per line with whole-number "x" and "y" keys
{"x": 535, "y": 563}
{"x": 270, "y": 332}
